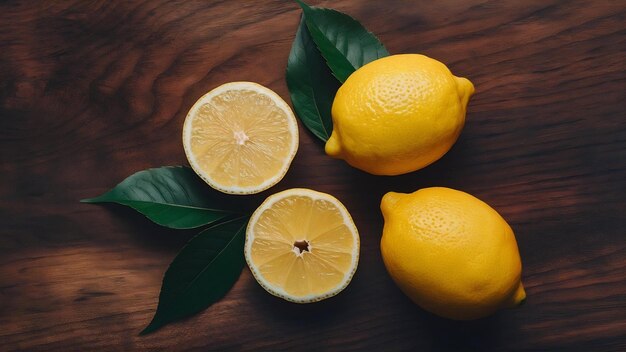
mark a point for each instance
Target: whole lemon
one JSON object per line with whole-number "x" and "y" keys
{"x": 398, "y": 114}
{"x": 451, "y": 253}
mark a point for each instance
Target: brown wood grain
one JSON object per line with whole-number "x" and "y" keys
{"x": 93, "y": 91}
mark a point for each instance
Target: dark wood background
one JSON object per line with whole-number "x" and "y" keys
{"x": 93, "y": 91}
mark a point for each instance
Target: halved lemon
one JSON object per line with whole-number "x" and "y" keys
{"x": 240, "y": 138}
{"x": 302, "y": 245}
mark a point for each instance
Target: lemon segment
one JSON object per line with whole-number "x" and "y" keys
{"x": 240, "y": 138}
{"x": 302, "y": 245}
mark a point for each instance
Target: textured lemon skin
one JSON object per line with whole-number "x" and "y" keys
{"x": 451, "y": 253}
{"x": 398, "y": 114}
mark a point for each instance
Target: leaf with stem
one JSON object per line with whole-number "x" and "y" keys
{"x": 202, "y": 273}
{"x": 343, "y": 41}
{"x": 170, "y": 196}
{"x": 312, "y": 86}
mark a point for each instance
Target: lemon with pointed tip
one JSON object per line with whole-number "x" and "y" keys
{"x": 451, "y": 253}
{"x": 398, "y": 114}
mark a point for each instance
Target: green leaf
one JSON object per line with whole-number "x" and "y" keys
{"x": 170, "y": 196}
{"x": 344, "y": 42}
{"x": 202, "y": 273}
{"x": 312, "y": 86}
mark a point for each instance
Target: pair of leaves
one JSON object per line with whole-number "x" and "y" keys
{"x": 329, "y": 46}
{"x": 210, "y": 263}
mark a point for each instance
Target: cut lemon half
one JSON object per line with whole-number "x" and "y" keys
{"x": 302, "y": 245}
{"x": 240, "y": 138}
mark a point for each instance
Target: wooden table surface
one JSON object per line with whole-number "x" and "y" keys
{"x": 93, "y": 91}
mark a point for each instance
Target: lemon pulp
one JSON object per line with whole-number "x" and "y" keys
{"x": 302, "y": 245}
{"x": 240, "y": 138}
